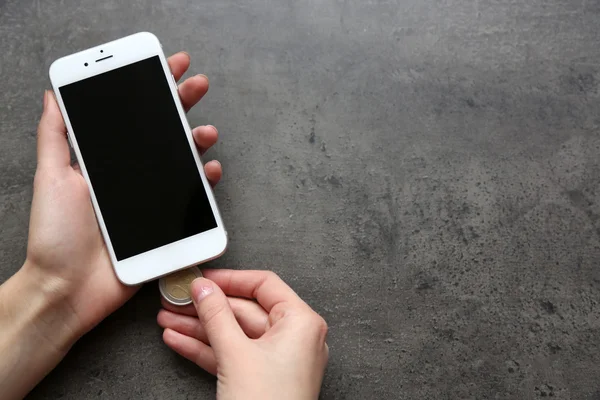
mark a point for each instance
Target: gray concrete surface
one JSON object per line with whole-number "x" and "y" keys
{"x": 425, "y": 173}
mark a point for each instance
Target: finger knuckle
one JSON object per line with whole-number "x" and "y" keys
{"x": 265, "y": 278}
{"x": 270, "y": 275}
{"x": 322, "y": 326}
{"x": 44, "y": 179}
{"x": 319, "y": 326}
{"x": 277, "y": 312}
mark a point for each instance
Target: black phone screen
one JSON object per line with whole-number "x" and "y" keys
{"x": 138, "y": 157}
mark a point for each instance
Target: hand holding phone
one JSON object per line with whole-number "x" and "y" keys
{"x": 154, "y": 204}
{"x": 66, "y": 252}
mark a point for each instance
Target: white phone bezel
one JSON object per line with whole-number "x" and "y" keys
{"x": 166, "y": 259}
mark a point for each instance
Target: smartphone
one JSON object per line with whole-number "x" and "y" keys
{"x": 128, "y": 129}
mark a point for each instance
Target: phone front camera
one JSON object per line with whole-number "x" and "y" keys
{"x": 101, "y": 51}
{"x": 86, "y": 64}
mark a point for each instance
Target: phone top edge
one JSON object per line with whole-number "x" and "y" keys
{"x": 92, "y": 52}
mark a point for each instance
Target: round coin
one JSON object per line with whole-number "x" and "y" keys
{"x": 175, "y": 288}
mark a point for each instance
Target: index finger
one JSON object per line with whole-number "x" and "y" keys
{"x": 264, "y": 286}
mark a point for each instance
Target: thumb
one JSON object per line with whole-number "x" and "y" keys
{"x": 52, "y": 147}
{"x": 216, "y": 316}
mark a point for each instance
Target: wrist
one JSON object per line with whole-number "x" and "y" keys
{"x": 35, "y": 330}
{"x": 37, "y": 306}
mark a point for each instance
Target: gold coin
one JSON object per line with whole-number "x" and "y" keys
{"x": 176, "y": 288}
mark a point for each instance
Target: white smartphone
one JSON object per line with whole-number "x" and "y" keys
{"x": 128, "y": 129}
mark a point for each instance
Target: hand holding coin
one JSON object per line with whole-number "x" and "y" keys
{"x": 176, "y": 288}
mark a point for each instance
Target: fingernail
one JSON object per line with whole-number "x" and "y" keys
{"x": 211, "y": 126}
{"x": 186, "y": 53}
{"x": 45, "y": 98}
{"x": 201, "y": 288}
{"x": 205, "y": 77}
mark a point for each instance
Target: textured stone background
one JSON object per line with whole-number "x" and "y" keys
{"x": 425, "y": 173}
